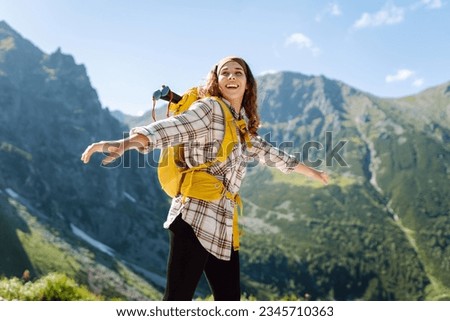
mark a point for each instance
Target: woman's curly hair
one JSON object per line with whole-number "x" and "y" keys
{"x": 249, "y": 102}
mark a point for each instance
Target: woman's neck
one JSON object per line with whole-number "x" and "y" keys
{"x": 236, "y": 104}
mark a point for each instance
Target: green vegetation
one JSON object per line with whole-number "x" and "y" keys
{"x": 9, "y": 148}
{"x": 338, "y": 245}
{"x": 41, "y": 250}
{"x": 52, "y": 287}
{"x": 379, "y": 231}
{"x": 7, "y": 44}
{"x": 44, "y": 251}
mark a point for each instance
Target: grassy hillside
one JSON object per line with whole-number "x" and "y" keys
{"x": 32, "y": 244}
{"x": 379, "y": 231}
{"x": 327, "y": 243}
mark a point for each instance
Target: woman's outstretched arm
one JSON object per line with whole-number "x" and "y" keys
{"x": 265, "y": 153}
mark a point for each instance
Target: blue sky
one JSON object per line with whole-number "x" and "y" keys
{"x": 131, "y": 48}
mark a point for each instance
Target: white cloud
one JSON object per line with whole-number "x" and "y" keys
{"x": 405, "y": 74}
{"x": 429, "y": 4}
{"x": 332, "y": 9}
{"x": 302, "y": 42}
{"x": 432, "y": 4}
{"x": 402, "y": 74}
{"x": 389, "y": 15}
{"x": 268, "y": 72}
{"x": 418, "y": 82}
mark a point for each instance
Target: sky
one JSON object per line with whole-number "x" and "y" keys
{"x": 131, "y": 48}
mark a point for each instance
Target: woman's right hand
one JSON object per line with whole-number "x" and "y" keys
{"x": 112, "y": 149}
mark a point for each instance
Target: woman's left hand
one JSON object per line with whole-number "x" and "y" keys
{"x": 310, "y": 172}
{"x": 321, "y": 176}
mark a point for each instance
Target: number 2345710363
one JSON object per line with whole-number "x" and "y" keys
{"x": 299, "y": 311}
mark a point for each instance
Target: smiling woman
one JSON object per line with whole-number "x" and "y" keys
{"x": 232, "y": 83}
{"x": 233, "y": 80}
{"x": 202, "y": 220}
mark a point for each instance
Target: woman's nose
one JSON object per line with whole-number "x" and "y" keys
{"x": 232, "y": 76}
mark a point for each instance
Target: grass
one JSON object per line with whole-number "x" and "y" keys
{"x": 47, "y": 252}
{"x": 7, "y": 44}
{"x": 42, "y": 247}
{"x": 52, "y": 287}
{"x": 9, "y": 148}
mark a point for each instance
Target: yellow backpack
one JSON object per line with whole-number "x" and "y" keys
{"x": 170, "y": 169}
{"x": 195, "y": 182}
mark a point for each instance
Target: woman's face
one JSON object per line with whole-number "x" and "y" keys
{"x": 232, "y": 83}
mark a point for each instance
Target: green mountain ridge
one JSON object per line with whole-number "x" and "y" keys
{"x": 50, "y": 113}
{"x": 39, "y": 248}
{"x": 386, "y": 213}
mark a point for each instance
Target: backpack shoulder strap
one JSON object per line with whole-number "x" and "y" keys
{"x": 230, "y": 137}
{"x": 241, "y": 124}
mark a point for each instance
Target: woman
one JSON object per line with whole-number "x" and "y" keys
{"x": 201, "y": 232}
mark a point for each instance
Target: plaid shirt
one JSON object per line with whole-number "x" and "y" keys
{"x": 201, "y": 129}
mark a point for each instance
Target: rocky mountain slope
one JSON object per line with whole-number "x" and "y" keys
{"x": 50, "y": 114}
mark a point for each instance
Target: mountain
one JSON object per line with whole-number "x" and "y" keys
{"x": 133, "y": 121}
{"x": 50, "y": 114}
{"x": 378, "y": 231}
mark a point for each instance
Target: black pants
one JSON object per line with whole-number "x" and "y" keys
{"x": 188, "y": 259}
